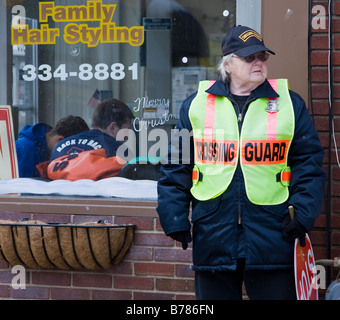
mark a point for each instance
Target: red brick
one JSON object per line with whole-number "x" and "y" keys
{"x": 336, "y": 173}
{"x": 111, "y": 295}
{"x": 336, "y": 93}
{"x": 4, "y": 291}
{"x": 336, "y": 8}
{"x": 69, "y": 294}
{"x": 173, "y": 255}
{"x": 336, "y": 74}
{"x": 318, "y": 237}
{"x": 156, "y": 269}
{"x": 333, "y": 154}
{"x": 50, "y": 278}
{"x": 54, "y": 218}
{"x": 139, "y": 254}
{"x": 335, "y": 238}
{"x": 323, "y": 139}
{"x": 336, "y": 206}
{"x": 319, "y": 58}
{"x": 336, "y": 107}
{"x": 30, "y": 293}
{"x": 153, "y": 239}
{"x": 319, "y": 42}
{"x": 6, "y": 276}
{"x": 320, "y": 74}
{"x": 321, "y": 123}
{"x": 335, "y": 188}
{"x": 175, "y": 285}
{"x": 3, "y": 264}
{"x": 121, "y": 268}
{"x": 336, "y": 124}
{"x": 320, "y": 221}
{"x": 336, "y": 58}
{"x": 121, "y": 282}
{"x": 335, "y": 252}
{"x": 92, "y": 280}
{"x": 158, "y": 225}
{"x": 335, "y": 25}
{"x": 335, "y": 221}
{"x": 320, "y": 91}
{"x": 320, "y": 107}
{"x": 184, "y": 270}
{"x": 319, "y": 253}
{"x": 142, "y": 223}
{"x": 336, "y": 42}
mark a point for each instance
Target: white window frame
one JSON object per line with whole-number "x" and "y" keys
{"x": 3, "y": 54}
{"x": 248, "y": 13}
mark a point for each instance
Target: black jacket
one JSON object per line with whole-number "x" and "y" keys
{"x": 218, "y": 240}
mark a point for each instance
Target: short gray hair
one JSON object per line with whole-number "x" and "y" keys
{"x": 223, "y": 74}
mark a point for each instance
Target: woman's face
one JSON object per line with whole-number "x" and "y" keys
{"x": 246, "y": 73}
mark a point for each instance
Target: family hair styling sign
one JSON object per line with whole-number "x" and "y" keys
{"x": 90, "y": 24}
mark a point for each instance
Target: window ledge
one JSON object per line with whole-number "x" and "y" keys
{"x": 68, "y": 205}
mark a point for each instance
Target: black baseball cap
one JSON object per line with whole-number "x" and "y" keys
{"x": 243, "y": 41}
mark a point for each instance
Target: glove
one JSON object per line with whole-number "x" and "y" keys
{"x": 182, "y": 236}
{"x": 293, "y": 229}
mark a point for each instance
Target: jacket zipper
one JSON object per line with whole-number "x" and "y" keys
{"x": 240, "y": 119}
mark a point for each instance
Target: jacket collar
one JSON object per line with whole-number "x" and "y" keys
{"x": 265, "y": 90}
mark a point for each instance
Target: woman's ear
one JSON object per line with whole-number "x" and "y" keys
{"x": 227, "y": 66}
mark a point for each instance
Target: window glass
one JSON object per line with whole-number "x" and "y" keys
{"x": 150, "y": 54}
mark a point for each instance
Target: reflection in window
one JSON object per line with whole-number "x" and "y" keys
{"x": 182, "y": 45}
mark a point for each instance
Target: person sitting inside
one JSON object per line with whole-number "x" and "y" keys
{"x": 93, "y": 154}
{"x": 36, "y": 142}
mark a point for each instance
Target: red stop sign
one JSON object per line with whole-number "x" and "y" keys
{"x": 305, "y": 271}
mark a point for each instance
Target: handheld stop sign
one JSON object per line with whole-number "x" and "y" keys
{"x": 304, "y": 268}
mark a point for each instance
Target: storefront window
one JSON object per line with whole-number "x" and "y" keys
{"x": 146, "y": 53}
{"x": 63, "y": 55}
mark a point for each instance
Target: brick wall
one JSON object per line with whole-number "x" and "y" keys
{"x": 154, "y": 268}
{"x": 319, "y": 80}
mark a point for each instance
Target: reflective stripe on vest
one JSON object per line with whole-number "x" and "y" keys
{"x": 263, "y": 145}
{"x": 216, "y": 149}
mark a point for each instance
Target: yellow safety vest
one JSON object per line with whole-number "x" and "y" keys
{"x": 262, "y": 146}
